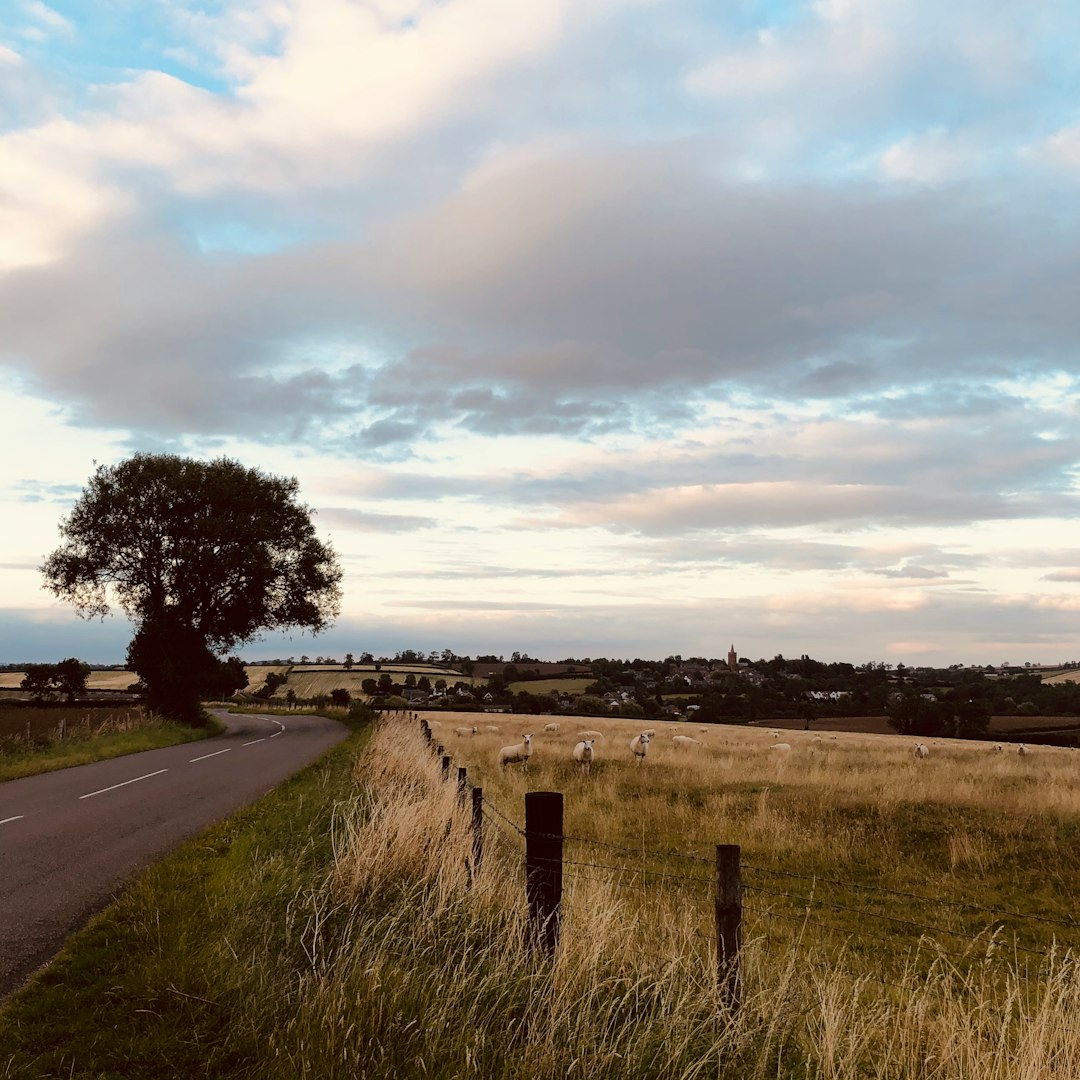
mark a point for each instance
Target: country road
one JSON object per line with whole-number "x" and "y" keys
{"x": 69, "y": 840}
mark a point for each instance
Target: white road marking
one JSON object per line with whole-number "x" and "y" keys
{"x": 17, "y": 817}
{"x": 254, "y": 741}
{"x": 277, "y": 733}
{"x": 102, "y": 791}
{"x": 214, "y": 754}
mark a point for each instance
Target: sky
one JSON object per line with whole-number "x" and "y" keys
{"x": 589, "y": 327}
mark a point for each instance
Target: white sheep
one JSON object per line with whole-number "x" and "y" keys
{"x": 551, "y": 727}
{"x": 639, "y": 744}
{"x": 594, "y": 735}
{"x": 521, "y": 751}
{"x": 921, "y": 750}
{"x": 775, "y": 734}
{"x": 1023, "y": 749}
{"x": 703, "y": 730}
{"x": 816, "y": 739}
{"x": 584, "y": 755}
{"x": 997, "y": 748}
{"x": 492, "y": 728}
{"x": 465, "y": 730}
{"x": 685, "y": 740}
{"x": 781, "y": 747}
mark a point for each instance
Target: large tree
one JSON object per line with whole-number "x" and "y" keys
{"x": 202, "y": 556}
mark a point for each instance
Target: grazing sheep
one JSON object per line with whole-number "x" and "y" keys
{"x": 551, "y": 727}
{"x": 594, "y": 735}
{"x": 521, "y": 751}
{"x": 639, "y": 744}
{"x": 651, "y": 732}
{"x": 465, "y": 730}
{"x": 921, "y": 750}
{"x": 816, "y": 738}
{"x": 781, "y": 747}
{"x": 775, "y": 734}
{"x": 685, "y": 740}
{"x": 1023, "y": 749}
{"x": 997, "y": 748}
{"x": 703, "y": 730}
{"x": 584, "y": 755}
{"x": 492, "y": 728}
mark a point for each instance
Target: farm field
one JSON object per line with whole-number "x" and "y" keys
{"x": 310, "y": 684}
{"x": 257, "y": 674}
{"x": 892, "y": 905}
{"x": 389, "y": 667}
{"x": 96, "y": 680}
{"x": 548, "y": 686}
{"x": 1063, "y": 676}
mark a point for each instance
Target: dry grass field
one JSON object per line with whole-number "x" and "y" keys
{"x": 96, "y": 680}
{"x": 1063, "y": 676}
{"x": 903, "y": 918}
{"x": 257, "y": 674}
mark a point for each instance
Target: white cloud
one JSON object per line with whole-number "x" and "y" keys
{"x": 932, "y": 157}
{"x": 48, "y": 18}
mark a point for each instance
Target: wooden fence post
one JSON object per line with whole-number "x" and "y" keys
{"x": 728, "y": 924}
{"x": 439, "y": 749}
{"x": 462, "y": 783}
{"x": 543, "y": 867}
{"x": 446, "y": 767}
{"x": 477, "y": 829}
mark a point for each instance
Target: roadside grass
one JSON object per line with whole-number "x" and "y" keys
{"x": 89, "y": 735}
{"x": 199, "y": 963}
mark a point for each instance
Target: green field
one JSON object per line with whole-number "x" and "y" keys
{"x": 574, "y": 687}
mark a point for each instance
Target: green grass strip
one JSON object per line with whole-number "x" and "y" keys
{"x": 197, "y": 962}
{"x": 16, "y": 763}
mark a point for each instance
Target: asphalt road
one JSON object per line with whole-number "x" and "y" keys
{"x": 70, "y": 840}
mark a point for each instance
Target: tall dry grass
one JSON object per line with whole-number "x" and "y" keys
{"x": 430, "y": 973}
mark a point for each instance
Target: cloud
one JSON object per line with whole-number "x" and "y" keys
{"x": 1069, "y": 575}
{"x": 854, "y": 68}
{"x": 914, "y": 571}
{"x": 779, "y": 504}
{"x": 932, "y": 157}
{"x": 370, "y": 521}
{"x": 48, "y": 19}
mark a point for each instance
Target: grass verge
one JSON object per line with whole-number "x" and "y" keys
{"x": 20, "y": 758}
{"x": 190, "y": 972}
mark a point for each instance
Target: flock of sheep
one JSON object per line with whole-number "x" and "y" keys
{"x": 585, "y": 751}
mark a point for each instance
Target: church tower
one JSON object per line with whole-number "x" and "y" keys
{"x": 732, "y": 658}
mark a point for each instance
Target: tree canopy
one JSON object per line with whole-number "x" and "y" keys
{"x": 202, "y": 556}
{"x": 68, "y": 678}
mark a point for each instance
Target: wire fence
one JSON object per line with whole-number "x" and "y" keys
{"x": 887, "y": 922}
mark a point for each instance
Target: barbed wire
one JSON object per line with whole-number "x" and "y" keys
{"x": 510, "y": 821}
